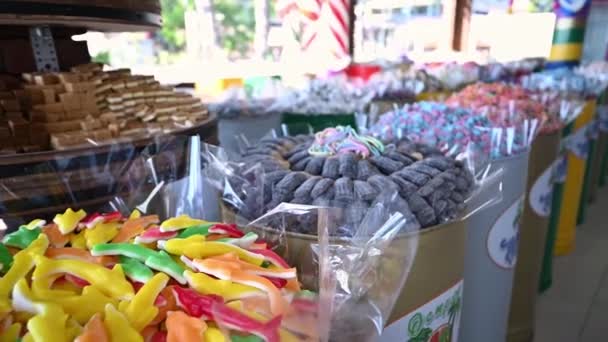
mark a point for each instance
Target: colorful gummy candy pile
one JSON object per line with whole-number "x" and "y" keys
{"x": 448, "y": 128}
{"x": 506, "y": 105}
{"x": 109, "y": 278}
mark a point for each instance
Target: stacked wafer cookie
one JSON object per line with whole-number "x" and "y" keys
{"x": 133, "y": 105}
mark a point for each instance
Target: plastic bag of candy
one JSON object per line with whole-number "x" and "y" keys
{"x": 151, "y": 269}
{"x": 340, "y": 168}
{"x": 508, "y": 104}
{"x": 567, "y": 82}
{"x": 324, "y": 96}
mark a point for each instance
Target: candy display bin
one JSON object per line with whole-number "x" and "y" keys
{"x": 573, "y": 188}
{"x": 587, "y": 180}
{"x": 437, "y": 293}
{"x": 601, "y": 148}
{"x": 532, "y": 236}
{"x": 491, "y": 256}
{"x": 252, "y": 127}
{"x": 300, "y": 123}
{"x": 433, "y": 96}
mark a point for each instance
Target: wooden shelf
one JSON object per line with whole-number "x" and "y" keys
{"x": 96, "y": 15}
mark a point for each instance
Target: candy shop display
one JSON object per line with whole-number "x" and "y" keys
{"x": 104, "y": 277}
{"x": 338, "y": 167}
{"x": 324, "y": 96}
{"x": 89, "y": 106}
{"x": 450, "y": 129}
{"x": 454, "y": 76}
{"x": 394, "y": 85}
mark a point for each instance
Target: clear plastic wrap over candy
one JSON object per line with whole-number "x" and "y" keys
{"x": 358, "y": 278}
{"x": 347, "y": 286}
{"x": 368, "y": 242}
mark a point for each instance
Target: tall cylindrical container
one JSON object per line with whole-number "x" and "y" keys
{"x": 532, "y": 236}
{"x": 491, "y": 256}
{"x": 573, "y": 186}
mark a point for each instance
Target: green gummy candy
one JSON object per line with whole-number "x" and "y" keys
{"x": 135, "y": 269}
{"x": 202, "y": 229}
{"x": 159, "y": 261}
{"x": 21, "y": 238}
{"x": 6, "y": 259}
{"x": 249, "y": 338}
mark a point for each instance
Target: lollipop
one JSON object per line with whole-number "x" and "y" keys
{"x": 448, "y": 128}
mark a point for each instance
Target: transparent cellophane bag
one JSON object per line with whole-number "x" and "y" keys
{"x": 349, "y": 287}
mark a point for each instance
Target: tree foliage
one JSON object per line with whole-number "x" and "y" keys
{"x": 234, "y": 18}
{"x": 174, "y": 23}
{"x": 236, "y": 23}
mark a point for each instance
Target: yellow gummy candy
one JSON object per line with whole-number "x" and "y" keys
{"x": 110, "y": 282}
{"x": 23, "y": 262}
{"x": 195, "y": 247}
{"x": 37, "y": 223}
{"x": 11, "y": 334}
{"x": 77, "y": 240}
{"x": 118, "y": 326}
{"x": 213, "y": 335}
{"x": 180, "y": 222}
{"x": 68, "y": 221}
{"x": 83, "y": 307}
{"x": 135, "y": 214}
{"x": 140, "y": 311}
{"x": 73, "y": 329}
{"x": 206, "y": 285}
{"x": 101, "y": 233}
{"x": 49, "y": 322}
